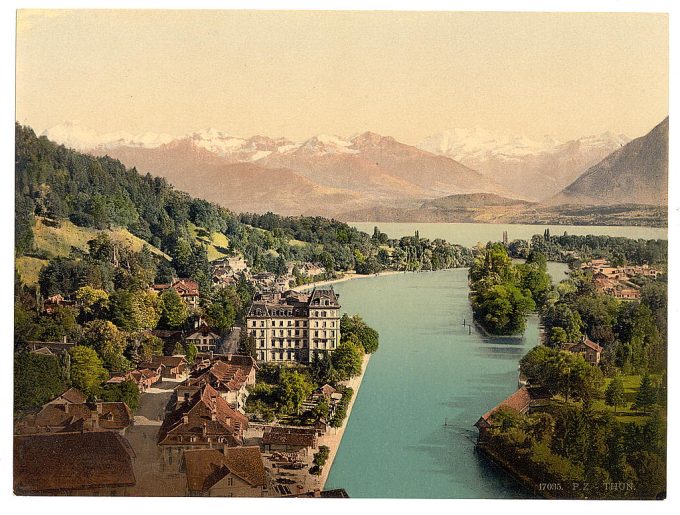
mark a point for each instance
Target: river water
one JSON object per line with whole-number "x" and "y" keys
{"x": 411, "y": 434}
{"x": 469, "y": 235}
{"x": 411, "y": 431}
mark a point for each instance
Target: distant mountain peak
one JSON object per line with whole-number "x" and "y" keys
{"x": 636, "y": 173}
{"x": 80, "y": 137}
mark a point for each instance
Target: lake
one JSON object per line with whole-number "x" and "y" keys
{"x": 470, "y": 234}
{"x": 411, "y": 431}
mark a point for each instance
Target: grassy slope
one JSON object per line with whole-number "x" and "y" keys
{"x": 29, "y": 269}
{"x": 216, "y": 243}
{"x": 58, "y": 241}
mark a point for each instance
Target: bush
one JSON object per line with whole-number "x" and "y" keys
{"x": 341, "y": 410}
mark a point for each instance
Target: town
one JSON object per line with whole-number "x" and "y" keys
{"x": 188, "y": 431}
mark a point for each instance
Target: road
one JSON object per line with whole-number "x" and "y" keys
{"x": 143, "y": 438}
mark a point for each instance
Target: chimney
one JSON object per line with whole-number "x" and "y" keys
{"x": 94, "y": 420}
{"x": 65, "y": 339}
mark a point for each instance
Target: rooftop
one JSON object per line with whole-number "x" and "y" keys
{"x": 206, "y": 467}
{"x": 60, "y": 463}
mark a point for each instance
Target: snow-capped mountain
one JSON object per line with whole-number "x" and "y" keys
{"x": 473, "y": 143}
{"x": 531, "y": 169}
{"x": 80, "y": 137}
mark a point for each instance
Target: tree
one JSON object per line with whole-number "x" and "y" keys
{"x": 321, "y": 410}
{"x": 366, "y": 336}
{"x": 293, "y": 389}
{"x": 650, "y": 470}
{"x": 109, "y": 342}
{"x": 646, "y": 395}
{"x": 191, "y": 352}
{"x": 347, "y": 359}
{"x": 134, "y": 310}
{"x": 126, "y": 392}
{"x": 558, "y": 336}
{"x": 37, "y": 380}
{"x": 93, "y": 301}
{"x": 223, "y": 308}
{"x": 174, "y": 311}
{"x": 87, "y": 371}
{"x": 145, "y": 346}
{"x": 247, "y": 343}
{"x": 614, "y": 394}
{"x": 533, "y": 364}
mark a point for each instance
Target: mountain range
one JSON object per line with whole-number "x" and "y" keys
{"x": 371, "y": 175}
{"x": 323, "y": 175}
{"x": 529, "y": 169}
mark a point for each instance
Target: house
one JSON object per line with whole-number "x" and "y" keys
{"x": 310, "y": 270}
{"x": 590, "y": 350}
{"x": 53, "y": 302}
{"x": 626, "y": 293}
{"x": 54, "y": 347}
{"x": 263, "y": 281}
{"x": 289, "y": 439}
{"x": 230, "y": 472}
{"x": 293, "y": 326}
{"x": 98, "y": 463}
{"x": 187, "y": 289}
{"x": 235, "y": 264}
{"x": 204, "y": 338}
{"x": 69, "y": 417}
{"x": 70, "y": 396}
{"x": 522, "y": 401}
{"x": 223, "y": 278}
{"x": 229, "y": 375}
{"x": 327, "y": 390}
{"x": 204, "y": 421}
{"x": 144, "y": 378}
{"x": 171, "y": 367}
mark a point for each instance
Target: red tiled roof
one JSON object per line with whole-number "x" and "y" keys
{"x": 520, "y": 401}
{"x": 61, "y": 463}
{"x": 73, "y": 395}
{"x": 166, "y": 361}
{"x": 289, "y": 436}
{"x": 110, "y": 416}
{"x": 207, "y": 415}
{"x": 222, "y": 375}
{"x": 206, "y": 467}
{"x": 584, "y": 341}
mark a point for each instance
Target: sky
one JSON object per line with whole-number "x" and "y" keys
{"x": 297, "y": 74}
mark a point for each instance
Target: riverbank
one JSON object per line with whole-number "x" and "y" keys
{"x": 333, "y": 437}
{"x": 348, "y": 276}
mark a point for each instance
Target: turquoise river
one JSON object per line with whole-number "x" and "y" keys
{"x": 411, "y": 431}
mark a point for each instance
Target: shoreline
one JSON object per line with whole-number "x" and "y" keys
{"x": 334, "y": 439}
{"x": 348, "y": 276}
